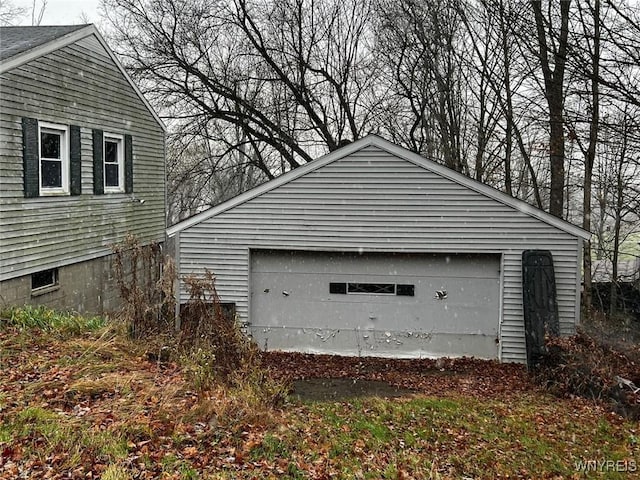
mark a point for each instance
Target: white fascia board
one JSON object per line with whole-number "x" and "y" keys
{"x": 128, "y": 78}
{"x": 398, "y": 151}
{"x": 44, "y": 49}
{"x": 68, "y": 39}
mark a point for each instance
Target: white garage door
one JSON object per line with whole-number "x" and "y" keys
{"x": 398, "y": 305}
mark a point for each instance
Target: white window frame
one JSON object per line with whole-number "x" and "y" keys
{"x": 119, "y": 140}
{"x": 63, "y": 131}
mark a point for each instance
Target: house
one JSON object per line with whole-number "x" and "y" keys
{"x": 628, "y": 271}
{"x": 374, "y": 250}
{"x": 81, "y": 165}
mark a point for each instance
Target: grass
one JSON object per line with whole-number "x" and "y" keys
{"x": 78, "y": 397}
{"x": 46, "y": 319}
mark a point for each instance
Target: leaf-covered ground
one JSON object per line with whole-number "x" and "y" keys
{"x": 91, "y": 405}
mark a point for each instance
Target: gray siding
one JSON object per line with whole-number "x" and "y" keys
{"x": 80, "y": 85}
{"x": 372, "y": 201}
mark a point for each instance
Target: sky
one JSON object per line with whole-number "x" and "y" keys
{"x": 61, "y": 12}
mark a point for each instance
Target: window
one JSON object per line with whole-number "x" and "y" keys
{"x": 113, "y": 163}
{"x": 405, "y": 290}
{"x": 54, "y": 159}
{"x": 44, "y": 280}
{"x": 372, "y": 289}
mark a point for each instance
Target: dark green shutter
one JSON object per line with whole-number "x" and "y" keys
{"x": 30, "y": 157}
{"x": 98, "y": 163}
{"x": 128, "y": 164}
{"x": 75, "y": 169}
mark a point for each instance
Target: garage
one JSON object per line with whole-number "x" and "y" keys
{"x": 376, "y": 304}
{"x": 375, "y": 250}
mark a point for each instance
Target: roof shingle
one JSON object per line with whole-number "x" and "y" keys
{"x": 17, "y": 40}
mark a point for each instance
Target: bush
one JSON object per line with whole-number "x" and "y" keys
{"x": 582, "y": 366}
{"x": 210, "y": 344}
{"x": 145, "y": 279}
{"x": 206, "y": 327}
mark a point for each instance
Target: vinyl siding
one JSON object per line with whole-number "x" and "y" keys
{"x": 75, "y": 85}
{"x": 373, "y": 201}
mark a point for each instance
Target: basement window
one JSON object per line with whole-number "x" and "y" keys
{"x": 44, "y": 281}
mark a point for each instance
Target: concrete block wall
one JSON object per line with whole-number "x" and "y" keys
{"x": 86, "y": 287}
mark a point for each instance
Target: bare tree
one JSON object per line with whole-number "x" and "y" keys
{"x": 271, "y": 83}
{"x": 583, "y": 113}
{"x": 37, "y": 12}
{"x": 619, "y": 72}
{"x": 295, "y": 75}
{"x": 420, "y": 45}
{"x": 552, "y": 43}
{"x": 618, "y": 188}
{"x": 10, "y": 13}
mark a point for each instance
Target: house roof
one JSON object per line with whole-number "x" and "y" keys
{"x": 19, "y": 45}
{"x": 17, "y": 40}
{"x": 400, "y": 152}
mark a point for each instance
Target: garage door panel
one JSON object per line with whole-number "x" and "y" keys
{"x": 291, "y": 303}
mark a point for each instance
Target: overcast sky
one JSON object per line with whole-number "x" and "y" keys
{"x": 61, "y": 12}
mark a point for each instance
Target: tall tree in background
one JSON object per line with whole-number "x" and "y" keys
{"x": 294, "y": 75}
{"x": 618, "y": 188}
{"x": 514, "y": 94}
{"x": 587, "y": 58}
{"x": 552, "y": 41}
{"x": 419, "y": 43}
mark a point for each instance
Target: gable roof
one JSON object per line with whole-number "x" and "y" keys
{"x": 17, "y": 40}
{"x": 400, "y": 152}
{"x": 19, "y": 45}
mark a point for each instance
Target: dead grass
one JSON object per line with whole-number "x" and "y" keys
{"x": 94, "y": 406}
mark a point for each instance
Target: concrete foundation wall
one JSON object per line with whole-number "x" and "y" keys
{"x": 86, "y": 287}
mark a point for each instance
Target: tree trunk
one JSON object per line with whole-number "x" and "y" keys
{"x": 591, "y": 151}
{"x": 554, "y": 93}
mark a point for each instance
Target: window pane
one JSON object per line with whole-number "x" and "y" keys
{"x": 51, "y": 173}
{"x": 110, "y": 152}
{"x": 49, "y": 145}
{"x": 405, "y": 290}
{"x": 374, "y": 288}
{"x": 111, "y": 177}
{"x": 337, "y": 288}
{"x": 43, "y": 279}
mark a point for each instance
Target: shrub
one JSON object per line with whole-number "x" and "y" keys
{"x": 206, "y": 327}
{"x": 581, "y": 366}
{"x": 145, "y": 279}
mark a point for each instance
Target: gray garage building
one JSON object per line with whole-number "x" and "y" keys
{"x": 374, "y": 250}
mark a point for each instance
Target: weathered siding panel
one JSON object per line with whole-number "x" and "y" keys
{"x": 372, "y": 201}
{"x": 76, "y": 85}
